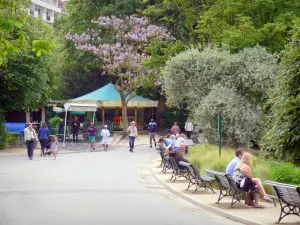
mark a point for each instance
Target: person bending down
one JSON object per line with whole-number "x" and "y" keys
{"x": 176, "y": 155}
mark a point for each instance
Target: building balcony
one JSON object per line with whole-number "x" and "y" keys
{"x": 47, "y": 6}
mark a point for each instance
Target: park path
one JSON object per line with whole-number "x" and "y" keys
{"x": 114, "y": 187}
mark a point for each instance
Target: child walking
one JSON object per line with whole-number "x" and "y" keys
{"x": 54, "y": 146}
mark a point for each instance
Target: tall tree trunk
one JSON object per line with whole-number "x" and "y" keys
{"x": 124, "y": 113}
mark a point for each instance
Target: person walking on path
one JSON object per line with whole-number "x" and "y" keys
{"x": 188, "y": 128}
{"x": 75, "y": 126}
{"x": 132, "y": 133}
{"x": 30, "y": 139}
{"x": 152, "y": 126}
{"x": 43, "y": 136}
{"x": 105, "y": 135}
{"x": 54, "y": 146}
{"x": 93, "y": 131}
{"x": 175, "y": 128}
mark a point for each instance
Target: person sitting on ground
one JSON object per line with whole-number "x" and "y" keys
{"x": 243, "y": 177}
{"x": 176, "y": 155}
{"x": 233, "y": 163}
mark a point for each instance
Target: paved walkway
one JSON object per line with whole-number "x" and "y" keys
{"x": 115, "y": 187}
{"x": 240, "y": 212}
{"x": 141, "y": 140}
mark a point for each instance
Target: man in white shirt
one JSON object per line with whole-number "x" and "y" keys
{"x": 105, "y": 134}
{"x": 188, "y": 128}
{"x": 233, "y": 163}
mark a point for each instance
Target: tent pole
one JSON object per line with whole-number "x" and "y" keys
{"x": 65, "y": 127}
{"x": 103, "y": 116}
{"x": 94, "y": 117}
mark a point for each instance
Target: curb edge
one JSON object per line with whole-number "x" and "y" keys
{"x": 204, "y": 206}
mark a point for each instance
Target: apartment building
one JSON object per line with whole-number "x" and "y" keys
{"x": 47, "y": 9}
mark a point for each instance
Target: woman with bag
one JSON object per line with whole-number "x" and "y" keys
{"x": 30, "y": 140}
{"x": 244, "y": 179}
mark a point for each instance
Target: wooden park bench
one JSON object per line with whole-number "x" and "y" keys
{"x": 195, "y": 178}
{"x": 289, "y": 198}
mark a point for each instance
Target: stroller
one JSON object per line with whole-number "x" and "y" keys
{"x": 48, "y": 148}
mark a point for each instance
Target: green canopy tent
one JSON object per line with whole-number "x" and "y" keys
{"x": 109, "y": 97}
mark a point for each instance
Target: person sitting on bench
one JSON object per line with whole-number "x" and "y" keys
{"x": 243, "y": 177}
{"x": 176, "y": 155}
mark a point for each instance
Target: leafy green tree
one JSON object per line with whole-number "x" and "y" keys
{"x": 282, "y": 136}
{"x": 213, "y": 80}
{"x": 24, "y": 78}
{"x": 241, "y": 24}
{"x": 80, "y": 68}
{"x": 13, "y": 34}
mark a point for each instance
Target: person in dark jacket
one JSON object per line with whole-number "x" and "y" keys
{"x": 92, "y": 130}
{"x": 152, "y": 132}
{"x": 43, "y": 137}
{"x": 176, "y": 155}
{"x": 75, "y": 126}
{"x": 61, "y": 130}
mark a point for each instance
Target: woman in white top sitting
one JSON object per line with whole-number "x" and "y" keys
{"x": 132, "y": 132}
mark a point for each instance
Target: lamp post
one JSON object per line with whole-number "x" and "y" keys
{"x": 220, "y": 132}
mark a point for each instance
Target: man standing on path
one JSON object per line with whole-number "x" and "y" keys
{"x": 30, "y": 139}
{"x": 105, "y": 134}
{"x": 75, "y": 126}
{"x": 132, "y": 133}
{"x": 233, "y": 163}
{"x": 93, "y": 131}
{"x": 152, "y": 132}
{"x": 188, "y": 128}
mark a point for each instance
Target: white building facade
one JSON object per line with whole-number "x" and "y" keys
{"x": 47, "y": 9}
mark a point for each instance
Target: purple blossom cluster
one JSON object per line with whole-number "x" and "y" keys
{"x": 122, "y": 58}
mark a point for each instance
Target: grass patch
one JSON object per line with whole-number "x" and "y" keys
{"x": 206, "y": 156}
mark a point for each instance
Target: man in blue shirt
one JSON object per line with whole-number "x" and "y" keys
{"x": 152, "y": 132}
{"x": 233, "y": 163}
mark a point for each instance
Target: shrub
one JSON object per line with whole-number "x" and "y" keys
{"x": 282, "y": 136}
{"x": 285, "y": 172}
{"x": 240, "y": 117}
{"x": 206, "y": 156}
{"x": 55, "y": 121}
{"x": 213, "y": 80}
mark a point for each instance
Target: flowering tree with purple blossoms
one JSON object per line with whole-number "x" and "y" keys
{"x": 120, "y": 45}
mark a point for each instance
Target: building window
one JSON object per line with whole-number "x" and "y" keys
{"x": 38, "y": 10}
{"x": 47, "y": 16}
